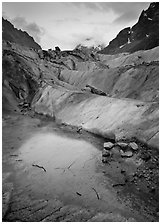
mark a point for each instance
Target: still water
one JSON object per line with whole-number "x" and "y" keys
{"x": 66, "y": 168}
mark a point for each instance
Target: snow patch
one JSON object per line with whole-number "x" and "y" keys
{"x": 149, "y": 18}
{"x": 129, "y": 42}
{"x": 152, "y": 6}
{"x": 147, "y": 35}
{"x": 145, "y": 14}
{"x": 122, "y": 46}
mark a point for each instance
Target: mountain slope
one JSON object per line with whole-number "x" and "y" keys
{"x": 11, "y": 34}
{"x": 143, "y": 35}
{"x": 67, "y": 82}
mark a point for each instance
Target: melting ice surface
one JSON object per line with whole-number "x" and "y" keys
{"x": 71, "y": 170}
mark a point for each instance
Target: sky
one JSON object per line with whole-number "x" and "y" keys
{"x": 67, "y": 24}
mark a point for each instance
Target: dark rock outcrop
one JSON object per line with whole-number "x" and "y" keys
{"x": 11, "y": 34}
{"x": 143, "y": 35}
{"x": 96, "y": 91}
{"x": 18, "y": 77}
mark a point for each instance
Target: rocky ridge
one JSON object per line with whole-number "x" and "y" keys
{"x": 11, "y": 34}
{"x": 143, "y": 35}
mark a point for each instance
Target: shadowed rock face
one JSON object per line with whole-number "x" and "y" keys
{"x": 11, "y": 34}
{"x": 19, "y": 82}
{"x": 142, "y": 36}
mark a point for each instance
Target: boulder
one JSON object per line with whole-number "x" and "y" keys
{"x": 126, "y": 154}
{"x": 25, "y": 105}
{"x": 106, "y": 153}
{"x": 96, "y": 91}
{"x": 108, "y": 145}
{"x": 123, "y": 145}
{"x": 134, "y": 146}
{"x": 115, "y": 152}
{"x": 21, "y": 103}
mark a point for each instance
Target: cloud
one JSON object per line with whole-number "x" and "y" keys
{"x": 94, "y": 37}
{"x": 118, "y": 7}
{"x": 98, "y": 23}
{"x": 32, "y": 28}
{"x": 90, "y": 5}
{"x": 128, "y": 16}
{"x": 128, "y": 12}
{"x": 123, "y": 10}
{"x": 66, "y": 20}
{"x": 67, "y": 24}
{"x": 4, "y": 15}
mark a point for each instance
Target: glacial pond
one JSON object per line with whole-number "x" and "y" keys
{"x": 67, "y": 169}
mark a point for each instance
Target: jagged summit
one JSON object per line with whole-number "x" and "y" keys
{"x": 12, "y": 34}
{"x": 143, "y": 35}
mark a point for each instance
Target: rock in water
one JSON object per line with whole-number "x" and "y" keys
{"x": 108, "y": 145}
{"x": 134, "y": 146}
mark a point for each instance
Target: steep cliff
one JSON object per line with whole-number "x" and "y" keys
{"x": 143, "y": 35}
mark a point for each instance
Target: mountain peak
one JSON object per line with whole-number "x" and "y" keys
{"x": 143, "y": 35}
